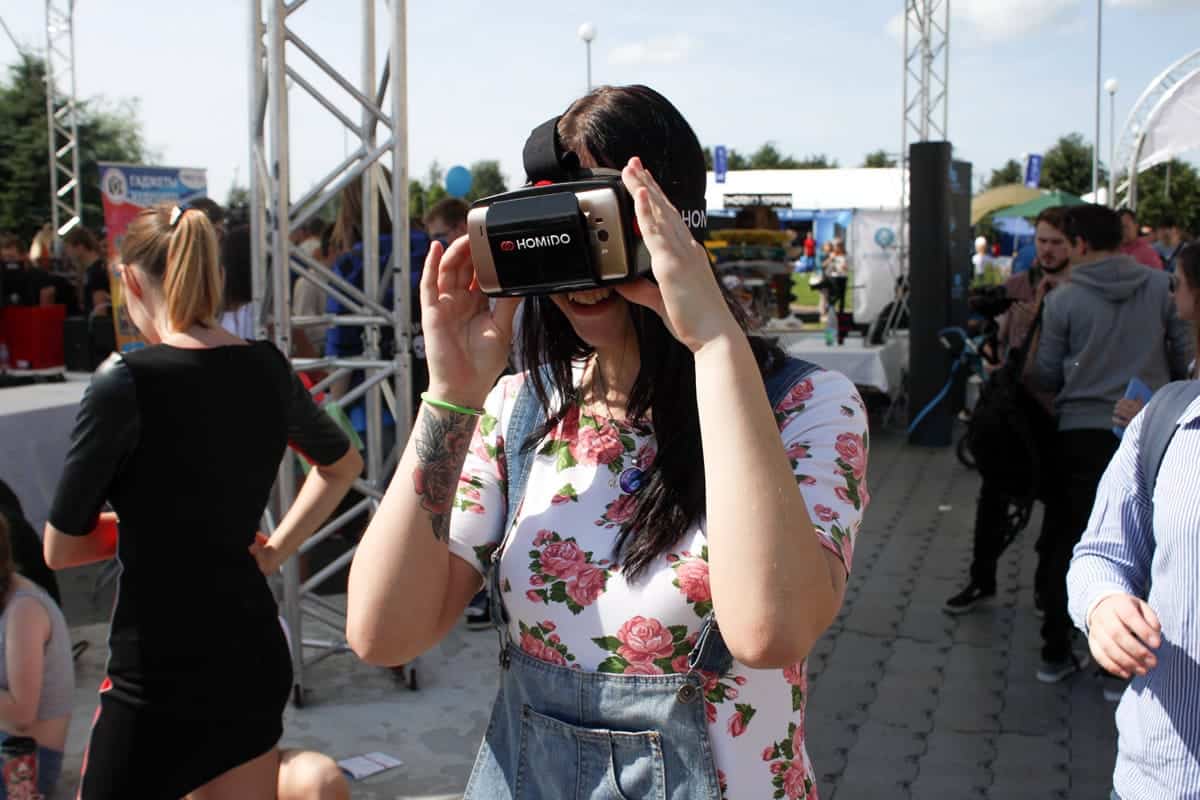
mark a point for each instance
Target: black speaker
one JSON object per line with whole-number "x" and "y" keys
{"x": 939, "y": 276}
{"x": 77, "y": 345}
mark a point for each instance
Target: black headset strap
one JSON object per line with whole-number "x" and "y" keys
{"x": 544, "y": 157}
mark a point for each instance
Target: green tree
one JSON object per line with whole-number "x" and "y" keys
{"x": 1068, "y": 166}
{"x": 1175, "y": 197}
{"x": 816, "y": 161}
{"x": 769, "y": 157}
{"x": 107, "y": 132}
{"x": 878, "y": 159}
{"x": 238, "y": 196}
{"x": 1012, "y": 172}
{"x": 486, "y": 180}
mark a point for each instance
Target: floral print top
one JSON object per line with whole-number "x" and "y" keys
{"x": 570, "y": 605}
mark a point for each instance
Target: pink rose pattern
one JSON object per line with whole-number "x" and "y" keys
{"x": 561, "y": 572}
{"x": 582, "y": 439}
{"x": 541, "y": 642}
{"x": 619, "y": 512}
{"x": 691, "y": 578}
{"x": 644, "y": 647}
{"x": 786, "y": 763}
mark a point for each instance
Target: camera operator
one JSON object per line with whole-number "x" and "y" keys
{"x": 1027, "y": 289}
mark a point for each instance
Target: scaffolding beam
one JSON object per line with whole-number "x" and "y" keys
{"x": 925, "y": 111}
{"x": 373, "y": 110}
{"x": 66, "y": 203}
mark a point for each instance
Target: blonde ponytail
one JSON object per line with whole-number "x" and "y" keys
{"x": 192, "y": 281}
{"x": 183, "y": 257}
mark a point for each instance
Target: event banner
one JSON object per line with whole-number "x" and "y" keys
{"x": 126, "y": 189}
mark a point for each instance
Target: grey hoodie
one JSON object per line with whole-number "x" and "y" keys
{"x": 1114, "y": 320}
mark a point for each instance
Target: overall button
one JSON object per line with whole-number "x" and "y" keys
{"x": 688, "y": 693}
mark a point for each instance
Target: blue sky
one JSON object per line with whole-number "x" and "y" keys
{"x": 814, "y": 77}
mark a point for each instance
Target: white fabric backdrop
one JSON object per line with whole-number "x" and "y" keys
{"x": 35, "y": 431}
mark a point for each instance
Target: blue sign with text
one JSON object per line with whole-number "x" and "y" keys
{"x": 1033, "y": 171}
{"x": 720, "y": 162}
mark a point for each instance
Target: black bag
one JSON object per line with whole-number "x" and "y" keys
{"x": 1009, "y": 429}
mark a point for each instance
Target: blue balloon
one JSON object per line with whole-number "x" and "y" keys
{"x": 458, "y": 181}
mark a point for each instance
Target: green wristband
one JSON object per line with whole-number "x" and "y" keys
{"x": 471, "y": 412}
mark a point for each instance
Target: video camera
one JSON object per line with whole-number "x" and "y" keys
{"x": 568, "y": 229}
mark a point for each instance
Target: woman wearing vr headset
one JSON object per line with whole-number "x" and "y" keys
{"x": 661, "y": 493}
{"x": 184, "y": 437}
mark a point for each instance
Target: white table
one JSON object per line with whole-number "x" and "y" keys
{"x": 35, "y": 431}
{"x": 879, "y": 368}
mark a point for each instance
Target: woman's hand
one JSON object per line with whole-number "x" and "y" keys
{"x": 1125, "y": 411}
{"x": 466, "y": 343}
{"x": 1123, "y": 631}
{"x": 265, "y": 555}
{"x": 687, "y": 296}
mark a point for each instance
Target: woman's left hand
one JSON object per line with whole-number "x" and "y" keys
{"x": 265, "y": 555}
{"x": 687, "y": 296}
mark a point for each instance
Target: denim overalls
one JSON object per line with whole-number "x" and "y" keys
{"x": 565, "y": 734}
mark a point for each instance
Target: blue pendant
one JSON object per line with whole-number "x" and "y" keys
{"x": 631, "y": 480}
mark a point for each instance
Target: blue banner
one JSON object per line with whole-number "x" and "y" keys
{"x": 1033, "y": 171}
{"x": 720, "y": 162}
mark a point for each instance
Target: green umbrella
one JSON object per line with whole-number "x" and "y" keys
{"x": 1032, "y": 208}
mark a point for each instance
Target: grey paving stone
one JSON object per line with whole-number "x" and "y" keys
{"x": 969, "y": 662}
{"x": 888, "y": 748}
{"x": 925, "y": 624}
{"x": 1035, "y": 709}
{"x": 970, "y": 709}
{"x": 936, "y": 786}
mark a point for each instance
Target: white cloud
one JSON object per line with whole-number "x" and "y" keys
{"x": 1153, "y": 4}
{"x": 999, "y": 20}
{"x": 671, "y": 49}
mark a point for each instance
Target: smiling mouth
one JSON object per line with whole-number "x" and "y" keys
{"x": 591, "y": 297}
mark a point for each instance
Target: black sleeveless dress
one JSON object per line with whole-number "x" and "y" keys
{"x": 185, "y": 445}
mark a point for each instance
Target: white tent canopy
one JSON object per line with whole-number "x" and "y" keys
{"x": 812, "y": 189}
{"x": 1174, "y": 127}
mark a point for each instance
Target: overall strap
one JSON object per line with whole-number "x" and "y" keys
{"x": 527, "y": 415}
{"x": 1160, "y": 420}
{"x": 786, "y": 376}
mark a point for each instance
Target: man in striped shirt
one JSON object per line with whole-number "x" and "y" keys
{"x": 1134, "y": 588}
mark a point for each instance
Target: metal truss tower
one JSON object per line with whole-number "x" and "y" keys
{"x": 926, "y": 107}
{"x": 372, "y": 108}
{"x": 66, "y": 206}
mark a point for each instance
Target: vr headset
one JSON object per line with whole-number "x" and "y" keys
{"x": 568, "y": 229}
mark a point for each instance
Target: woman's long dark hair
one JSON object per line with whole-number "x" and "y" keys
{"x": 613, "y": 124}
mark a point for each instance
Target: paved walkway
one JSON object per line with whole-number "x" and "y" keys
{"x": 906, "y": 701}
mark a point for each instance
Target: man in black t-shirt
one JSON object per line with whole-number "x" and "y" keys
{"x": 14, "y": 272}
{"x": 84, "y": 252}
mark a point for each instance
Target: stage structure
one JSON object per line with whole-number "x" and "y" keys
{"x": 66, "y": 207}
{"x": 377, "y": 129}
{"x": 1163, "y": 123}
{"x": 925, "y": 108}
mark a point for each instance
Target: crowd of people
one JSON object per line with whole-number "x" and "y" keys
{"x": 1096, "y": 316}
{"x": 591, "y": 507}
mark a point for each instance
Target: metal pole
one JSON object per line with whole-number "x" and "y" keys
{"x": 256, "y": 110}
{"x": 1096, "y": 145}
{"x": 946, "y": 76}
{"x": 280, "y": 228}
{"x": 76, "y": 192}
{"x": 1112, "y": 150}
{"x": 401, "y": 245}
{"x": 370, "y": 243}
{"x": 589, "y": 65}
{"x": 51, "y": 136}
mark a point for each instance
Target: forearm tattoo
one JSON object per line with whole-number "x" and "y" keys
{"x": 442, "y": 443}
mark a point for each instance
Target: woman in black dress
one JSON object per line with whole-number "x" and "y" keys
{"x": 183, "y": 438}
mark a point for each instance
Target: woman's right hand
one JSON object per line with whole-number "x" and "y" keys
{"x": 466, "y": 342}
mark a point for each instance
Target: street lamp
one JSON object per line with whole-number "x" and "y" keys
{"x": 1111, "y": 86}
{"x": 587, "y": 32}
{"x": 1096, "y": 142}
